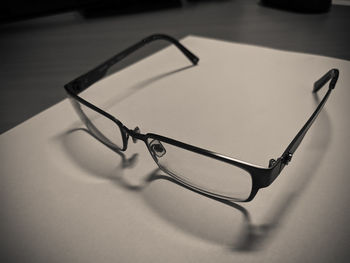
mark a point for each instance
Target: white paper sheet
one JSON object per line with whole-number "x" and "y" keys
{"x": 67, "y": 198}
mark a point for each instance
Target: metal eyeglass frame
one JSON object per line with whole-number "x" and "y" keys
{"x": 261, "y": 176}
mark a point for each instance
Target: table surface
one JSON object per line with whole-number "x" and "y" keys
{"x": 39, "y": 56}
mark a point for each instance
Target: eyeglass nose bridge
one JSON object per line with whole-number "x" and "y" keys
{"x": 135, "y": 134}
{"x": 136, "y": 131}
{"x": 156, "y": 149}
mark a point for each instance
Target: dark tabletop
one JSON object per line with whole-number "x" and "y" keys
{"x": 39, "y": 56}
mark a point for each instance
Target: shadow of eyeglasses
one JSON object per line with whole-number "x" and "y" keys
{"x": 142, "y": 85}
{"x": 251, "y": 237}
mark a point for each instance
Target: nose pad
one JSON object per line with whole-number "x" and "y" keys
{"x": 136, "y": 130}
{"x": 157, "y": 148}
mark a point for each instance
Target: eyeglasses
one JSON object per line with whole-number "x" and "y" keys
{"x": 202, "y": 170}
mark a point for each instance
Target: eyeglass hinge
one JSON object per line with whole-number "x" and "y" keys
{"x": 284, "y": 159}
{"x": 287, "y": 158}
{"x": 272, "y": 162}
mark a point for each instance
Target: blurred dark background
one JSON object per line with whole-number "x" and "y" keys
{"x": 45, "y": 44}
{"x": 21, "y": 9}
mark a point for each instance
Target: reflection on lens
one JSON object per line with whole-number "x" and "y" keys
{"x": 202, "y": 172}
{"x": 102, "y": 127}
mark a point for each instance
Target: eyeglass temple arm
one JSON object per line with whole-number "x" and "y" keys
{"x": 292, "y": 147}
{"x": 84, "y": 81}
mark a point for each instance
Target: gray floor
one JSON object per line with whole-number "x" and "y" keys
{"x": 39, "y": 56}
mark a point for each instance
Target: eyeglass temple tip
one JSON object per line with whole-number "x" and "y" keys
{"x": 330, "y": 75}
